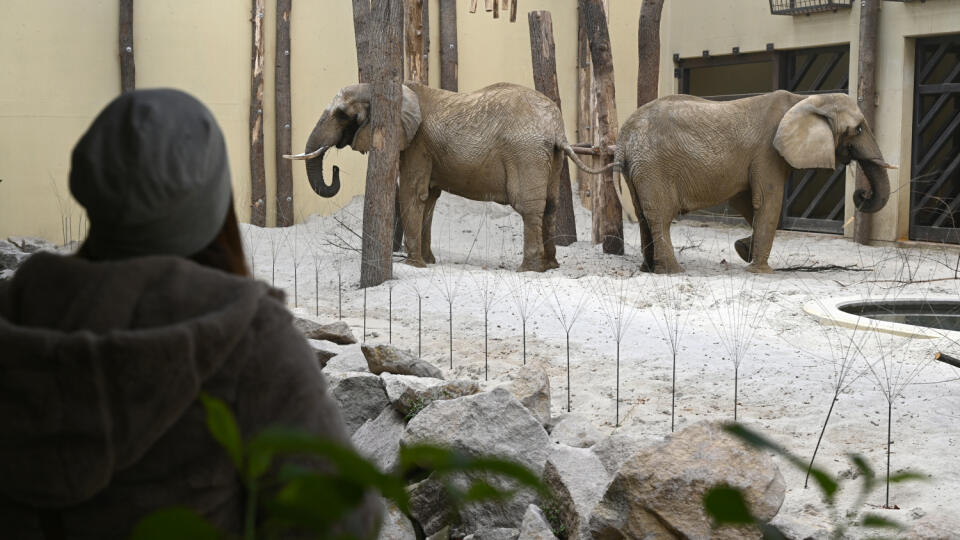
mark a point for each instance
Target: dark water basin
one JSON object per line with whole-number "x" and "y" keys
{"x": 942, "y": 314}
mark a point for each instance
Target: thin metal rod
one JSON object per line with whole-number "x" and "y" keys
{"x": 451, "y": 334}
{"x": 617, "y": 417}
{"x": 316, "y": 290}
{"x": 736, "y": 380}
{"x": 889, "y": 422}
{"x": 524, "y": 322}
{"x": 486, "y": 353}
{"x": 364, "y": 338}
{"x": 390, "y": 314}
{"x": 340, "y": 296}
{"x": 820, "y": 438}
{"x": 673, "y": 394}
{"x": 419, "y": 327}
{"x": 568, "y": 371}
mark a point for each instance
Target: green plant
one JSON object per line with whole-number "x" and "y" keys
{"x": 727, "y": 505}
{"x": 551, "y": 511}
{"x": 314, "y": 501}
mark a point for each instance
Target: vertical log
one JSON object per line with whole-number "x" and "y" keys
{"x": 284, "y": 124}
{"x": 866, "y": 96}
{"x": 258, "y": 182}
{"x": 513, "y": 10}
{"x": 386, "y": 47}
{"x": 610, "y": 211}
{"x": 128, "y": 69}
{"x": 488, "y": 5}
{"x": 415, "y": 32}
{"x": 648, "y": 39}
{"x": 361, "y": 17}
{"x": 586, "y": 182}
{"x": 448, "y": 45}
{"x": 545, "y": 81}
{"x": 473, "y": 6}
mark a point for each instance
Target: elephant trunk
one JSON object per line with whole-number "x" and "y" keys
{"x": 871, "y": 198}
{"x": 315, "y": 172}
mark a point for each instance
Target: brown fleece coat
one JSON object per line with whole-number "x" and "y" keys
{"x": 101, "y": 365}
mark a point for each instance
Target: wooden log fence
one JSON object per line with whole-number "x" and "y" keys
{"x": 648, "y": 45}
{"x": 448, "y": 45}
{"x": 128, "y": 68}
{"x": 284, "y": 121}
{"x": 543, "y": 52}
{"x": 866, "y": 96}
{"x": 258, "y": 182}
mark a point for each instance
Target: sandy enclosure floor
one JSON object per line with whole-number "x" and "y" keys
{"x": 788, "y": 361}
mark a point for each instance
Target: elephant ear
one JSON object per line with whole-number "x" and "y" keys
{"x": 805, "y": 138}
{"x": 409, "y": 120}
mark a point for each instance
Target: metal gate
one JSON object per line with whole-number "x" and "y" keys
{"x": 935, "y": 182}
{"x": 813, "y": 199}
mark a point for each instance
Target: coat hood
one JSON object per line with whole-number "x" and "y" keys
{"x": 99, "y": 359}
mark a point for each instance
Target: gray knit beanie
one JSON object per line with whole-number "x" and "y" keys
{"x": 152, "y": 173}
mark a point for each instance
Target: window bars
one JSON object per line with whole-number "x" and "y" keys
{"x": 799, "y": 7}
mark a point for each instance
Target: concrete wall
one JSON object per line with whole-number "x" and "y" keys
{"x": 60, "y": 68}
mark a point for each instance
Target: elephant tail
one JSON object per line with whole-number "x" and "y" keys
{"x": 568, "y": 150}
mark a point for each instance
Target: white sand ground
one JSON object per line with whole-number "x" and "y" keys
{"x": 788, "y": 364}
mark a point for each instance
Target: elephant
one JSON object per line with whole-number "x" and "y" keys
{"x": 504, "y": 143}
{"x": 682, "y": 153}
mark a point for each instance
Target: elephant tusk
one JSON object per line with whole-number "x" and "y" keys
{"x": 884, "y": 164}
{"x": 306, "y": 156}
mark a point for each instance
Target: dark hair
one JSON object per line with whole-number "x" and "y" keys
{"x": 225, "y": 251}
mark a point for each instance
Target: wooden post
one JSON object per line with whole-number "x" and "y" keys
{"x": 385, "y": 37}
{"x": 866, "y": 96}
{"x": 586, "y": 182}
{"x": 545, "y": 81}
{"x": 648, "y": 39}
{"x": 513, "y": 10}
{"x": 448, "y": 45}
{"x": 128, "y": 69}
{"x": 258, "y": 182}
{"x": 361, "y": 16}
{"x": 285, "y": 216}
{"x": 416, "y": 31}
{"x": 610, "y": 211}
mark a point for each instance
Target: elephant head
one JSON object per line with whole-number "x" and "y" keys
{"x": 823, "y": 129}
{"x": 346, "y": 121}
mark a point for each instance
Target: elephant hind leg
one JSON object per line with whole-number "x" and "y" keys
{"x": 533, "y": 256}
{"x": 550, "y": 213}
{"x": 659, "y": 209}
{"x": 742, "y": 203}
{"x": 425, "y": 234}
{"x": 646, "y": 238}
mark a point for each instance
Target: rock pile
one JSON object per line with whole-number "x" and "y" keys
{"x": 603, "y": 485}
{"x": 15, "y": 250}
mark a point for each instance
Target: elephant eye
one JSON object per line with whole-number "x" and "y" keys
{"x": 340, "y": 114}
{"x": 860, "y": 129}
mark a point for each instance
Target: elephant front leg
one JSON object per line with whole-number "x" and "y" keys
{"x": 428, "y": 207}
{"x": 533, "y": 259}
{"x": 411, "y": 212}
{"x": 767, "y": 199}
{"x": 742, "y": 203}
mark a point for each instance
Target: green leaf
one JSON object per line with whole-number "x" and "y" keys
{"x": 223, "y": 427}
{"x": 866, "y": 472}
{"x": 481, "y": 490}
{"x": 907, "y": 476}
{"x": 180, "y": 523}
{"x": 879, "y": 522}
{"x": 444, "y": 461}
{"x": 316, "y": 502}
{"x": 826, "y": 483}
{"x": 727, "y": 506}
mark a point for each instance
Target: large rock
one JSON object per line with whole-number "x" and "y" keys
{"x": 413, "y": 401}
{"x": 575, "y": 430}
{"x": 398, "y": 384}
{"x": 361, "y": 397}
{"x": 487, "y": 424}
{"x": 658, "y": 493}
{"x": 577, "y": 479}
{"x": 499, "y": 533}
{"x": 389, "y": 359}
{"x": 535, "y": 525}
{"x": 615, "y": 449}
{"x": 531, "y": 386}
{"x": 31, "y": 245}
{"x": 396, "y": 526}
{"x": 11, "y": 256}
{"x": 379, "y": 439}
{"x": 350, "y": 359}
{"x": 325, "y": 350}
{"x": 337, "y": 332}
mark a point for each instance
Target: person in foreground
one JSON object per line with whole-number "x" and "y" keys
{"x": 103, "y": 355}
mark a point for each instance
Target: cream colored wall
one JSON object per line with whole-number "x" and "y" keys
{"x": 60, "y": 68}
{"x": 692, "y": 26}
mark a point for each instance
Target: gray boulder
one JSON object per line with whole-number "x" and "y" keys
{"x": 6, "y": 275}
{"x": 658, "y": 493}
{"x": 499, "y": 533}
{"x": 412, "y": 401}
{"x": 617, "y": 448}
{"x": 325, "y": 350}
{"x": 389, "y": 359}
{"x": 396, "y": 526}
{"x": 361, "y": 397}
{"x": 350, "y": 359}
{"x": 31, "y": 245}
{"x": 577, "y": 479}
{"x": 575, "y": 430}
{"x": 486, "y": 424}
{"x": 337, "y": 332}
{"x": 379, "y": 439}
{"x": 442, "y": 534}
{"x": 11, "y": 256}
{"x": 396, "y": 385}
{"x": 531, "y": 386}
{"x": 535, "y": 525}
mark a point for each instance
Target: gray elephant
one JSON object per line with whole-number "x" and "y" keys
{"x": 682, "y": 153}
{"x": 504, "y": 143}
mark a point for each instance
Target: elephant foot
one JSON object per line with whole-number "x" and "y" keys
{"x": 743, "y": 248}
{"x": 759, "y": 268}
{"x": 536, "y": 266}
{"x": 416, "y": 263}
{"x": 668, "y": 268}
{"x": 552, "y": 264}
{"x": 429, "y": 258}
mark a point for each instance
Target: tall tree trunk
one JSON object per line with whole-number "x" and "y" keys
{"x": 385, "y": 36}
{"x": 545, "y": 81}
{"x": 361, "y": 18}
{"x": 417, "y": 37}
{"x": 611, "y": 213}
{"x": 866, "y": 96}
{"x": 283, "y": 128}
{"x": 128, "y": 69}
{"x": 586, "y": 182}
{"x": 258, "y": 181}
{"x": 648, "y": 39}
{"x": 448, "y": 45}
